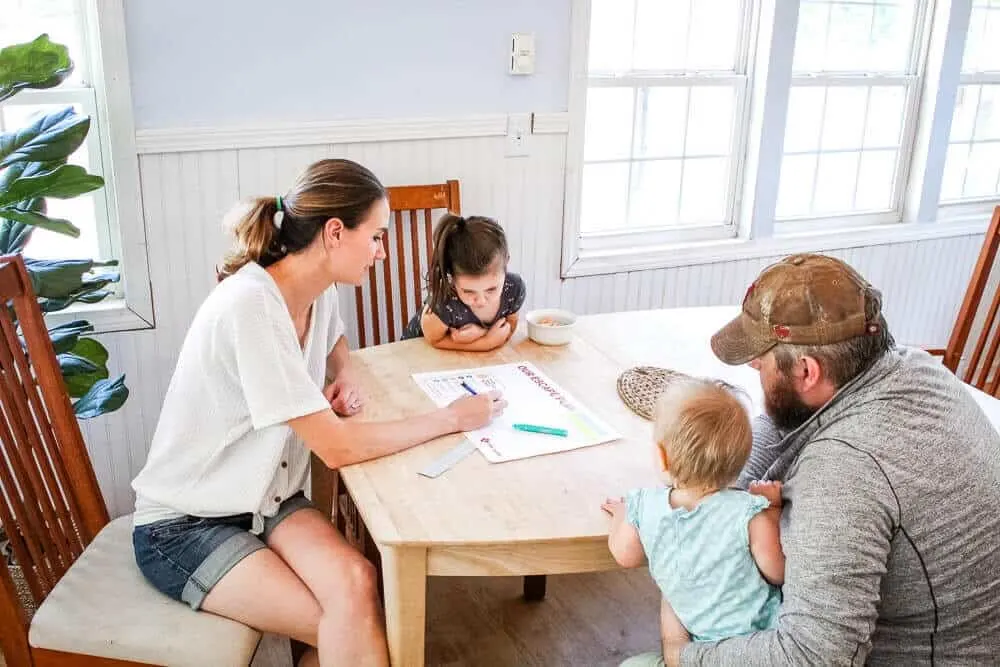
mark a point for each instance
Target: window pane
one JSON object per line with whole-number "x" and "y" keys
{"x": 988, "y": 114}
{"x": 609, "y": 124}
{"x": 853, "y": 36}
{"x": 714, "y": 34}
{"x": 655, "y": 199}
{"x": 710, "y": 121}
{"x": 24, "y": 20}
{"x": 661, "y": 35}
{"x": 836, "y": 181}
{"x": 884, "y": 126}
{"x": 795, "y": 188}
{"x": 611, "y": 24}
{"x": 703, "y": 191}
{"x": 805, "y": 118}
{"x": 605, "y": 197}
{"x": 662, "y": 122}
{"x": 81, "y": 211}
{"x": 875, "y": 178}
{"x": 955, "y": 165}
{"x": 984, "y": 168}
{"x": 844, "y": 117}
{"x": 966, "y": 104}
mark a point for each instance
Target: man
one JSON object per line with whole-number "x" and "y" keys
{"x": 891, "y": 519}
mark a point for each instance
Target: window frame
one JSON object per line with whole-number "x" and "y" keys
{"x": 919, "y": 214}
{"x": 121, "y": 232}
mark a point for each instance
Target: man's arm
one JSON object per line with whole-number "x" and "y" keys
{"x": 840, "y": 517}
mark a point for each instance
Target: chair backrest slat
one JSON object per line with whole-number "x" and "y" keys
{"x": 385, "y": 316}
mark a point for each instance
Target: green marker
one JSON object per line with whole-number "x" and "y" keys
{"x": 547, "y": 430}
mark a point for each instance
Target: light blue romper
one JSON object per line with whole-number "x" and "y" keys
{"x": 701, "y": 561}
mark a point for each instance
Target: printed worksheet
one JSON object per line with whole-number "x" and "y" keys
{"x": 533, "y": 401}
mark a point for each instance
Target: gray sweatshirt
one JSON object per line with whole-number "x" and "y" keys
{"x": 891, "y": 528}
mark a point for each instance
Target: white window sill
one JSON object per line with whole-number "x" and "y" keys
{"x": 644, "y": 257}
{"x": 107, "y": 316}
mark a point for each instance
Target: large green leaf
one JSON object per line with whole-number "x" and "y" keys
{"x": 56, "y": 278}
{"x": 36, "y": 64}
{"x": 103, "y": 397}
{"x": 92, "y": 350}
{"x": 65, "y": 336}
{"x": 54, "y": 136}
{"x": 79, "y": 383}
{"x": 34, "y": 219}
{"x": 71, "y": 364}
{"x": 14, "y": 236}
{"x": 63, "y": 182}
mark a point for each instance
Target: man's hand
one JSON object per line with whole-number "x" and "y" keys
{"x": 769, "y": 490}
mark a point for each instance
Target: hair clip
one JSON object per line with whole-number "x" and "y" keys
{"x": 279, "y": 215}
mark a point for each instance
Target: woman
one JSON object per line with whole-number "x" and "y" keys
{"x": 221, "y": 521}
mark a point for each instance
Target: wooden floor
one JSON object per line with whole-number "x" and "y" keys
{"x": 591, "y": 620}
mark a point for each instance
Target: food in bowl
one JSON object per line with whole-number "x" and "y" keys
{"x": 550, "y": 326}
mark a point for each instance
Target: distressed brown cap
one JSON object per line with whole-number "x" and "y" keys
{"x": 804, "y": 300}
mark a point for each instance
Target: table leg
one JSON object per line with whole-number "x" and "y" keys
{"x": 534, "y": 587}
{"x": 404, "y": 572}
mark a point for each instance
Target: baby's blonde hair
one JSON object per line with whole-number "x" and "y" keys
{"x": 704, "y": 429}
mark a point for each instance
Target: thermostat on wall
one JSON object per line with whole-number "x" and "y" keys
{"x": 522, "y": 53}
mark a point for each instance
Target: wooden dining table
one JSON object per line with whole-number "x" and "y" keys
{"x": 534, "y": 516}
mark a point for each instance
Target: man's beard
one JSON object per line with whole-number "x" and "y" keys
{"x": 784, "y": 406}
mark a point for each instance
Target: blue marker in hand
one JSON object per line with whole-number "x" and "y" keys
{"x": 468, "y": 388}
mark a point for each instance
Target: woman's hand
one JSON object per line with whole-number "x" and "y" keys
{"x": 344, "y": 394}
{"x": 472, "y": 412}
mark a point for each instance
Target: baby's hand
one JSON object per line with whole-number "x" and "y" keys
{"x": 613, "y": 505}
{"x": 770, "y": 490}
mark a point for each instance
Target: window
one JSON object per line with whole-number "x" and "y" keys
{"x": 64, "y": 21}
{"x": 850, "y": 109}
{"x": 110, "y": 219}
{"x": 701, "y": 130}
{"x": 972, "y": 166}
{"x": 666, "y": 84}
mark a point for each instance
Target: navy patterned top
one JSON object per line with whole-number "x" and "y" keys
{"x": 456, "y": 314}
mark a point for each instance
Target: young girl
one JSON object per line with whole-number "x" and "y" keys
{"x": 714, "y": 552}
{"x": 473, "y": 300}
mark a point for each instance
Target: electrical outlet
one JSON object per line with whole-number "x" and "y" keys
{"x": 518, "y": 134}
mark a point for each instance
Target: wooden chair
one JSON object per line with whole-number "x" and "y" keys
{"x": 407, "y": 203}
{"x": 980, "y": 369}
{"x": 82, "y": 601}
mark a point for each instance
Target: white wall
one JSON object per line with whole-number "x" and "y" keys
{"x": 221, "y": 62}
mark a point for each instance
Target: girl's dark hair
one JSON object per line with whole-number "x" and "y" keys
{"x": 463, "y": 246}
{"x": 326, "y": 189}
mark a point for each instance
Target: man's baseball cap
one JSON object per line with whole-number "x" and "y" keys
{"x": 804, "y": 300}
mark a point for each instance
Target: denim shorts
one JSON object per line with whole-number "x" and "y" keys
{"x": 185, "y": 557}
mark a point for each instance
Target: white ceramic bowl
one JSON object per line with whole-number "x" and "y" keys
{"x": 559, "y": 333}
